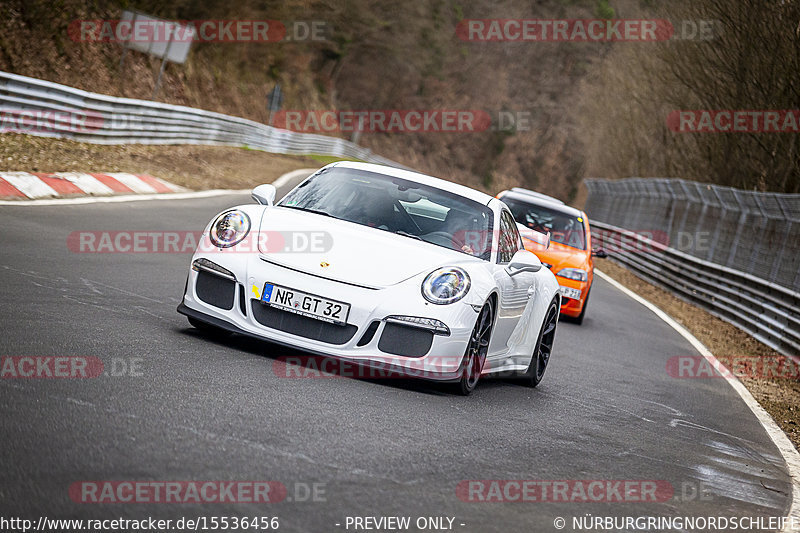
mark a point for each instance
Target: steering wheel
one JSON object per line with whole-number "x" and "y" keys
{"x": 538, "y": 227}
{"x": 446, "y": 238}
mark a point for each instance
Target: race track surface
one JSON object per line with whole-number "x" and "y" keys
{"x": 204, "y": 408}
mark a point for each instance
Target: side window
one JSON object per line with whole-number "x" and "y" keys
{"x": 509, "y": 241}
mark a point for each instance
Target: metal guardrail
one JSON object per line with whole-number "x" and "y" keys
{"x": 749, "y": 231}
{"x": 767, "y": 311}
{"x": 113, "y": 120}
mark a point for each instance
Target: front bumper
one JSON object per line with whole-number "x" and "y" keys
{"x": 368, "y": 339}
{"x": 570, "y": 305}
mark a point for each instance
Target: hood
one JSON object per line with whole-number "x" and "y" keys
{"x": 559, "y": 256}
{"x": 353, "y": 253}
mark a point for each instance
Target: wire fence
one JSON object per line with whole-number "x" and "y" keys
{"x": 42, "y": 108}
{"x": 734, "y": 253}
{"x": 752, "y": 232}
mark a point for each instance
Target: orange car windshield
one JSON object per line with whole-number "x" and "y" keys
{"x": 563, "y": 229}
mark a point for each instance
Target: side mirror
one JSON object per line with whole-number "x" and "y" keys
{"x": 523, "y": 261}
{"x": 542, "y": 239}
{"x": 602, "y": 254}
{"x": 264, "y": 194}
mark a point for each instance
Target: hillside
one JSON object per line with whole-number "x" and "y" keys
{"x": 376, "y": 55}
{"x": 587, "y": 108}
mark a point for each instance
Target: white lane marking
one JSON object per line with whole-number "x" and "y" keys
{"x": 127, "y": 198}
{"x": 85, "y": 182}
{"x": 779, "y": 438}
{"x": 289, "y": 176}
{"x": 132, "y": 182}
{"x": 28, "y": 184}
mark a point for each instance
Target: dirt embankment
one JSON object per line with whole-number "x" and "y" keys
{"x": 194, "y": 167}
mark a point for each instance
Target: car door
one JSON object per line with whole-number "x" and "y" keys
{"x": 515, "y": 291}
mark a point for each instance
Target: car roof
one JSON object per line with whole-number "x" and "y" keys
{"x": 410, "y": 175}
{"x": 536, "y": 194}
{"x": 541, "y": 199}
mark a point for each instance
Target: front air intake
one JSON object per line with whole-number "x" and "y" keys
{"x": 215, "y": 290}
{"x": 407, "y": 341}
{"x": 299, "y": 325}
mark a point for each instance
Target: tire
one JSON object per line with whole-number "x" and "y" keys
{"x": 544, "y": 346}
{"x": 579, "y": 319}
{"x": 207, "y": 328}
{"x": 477, "y": 348}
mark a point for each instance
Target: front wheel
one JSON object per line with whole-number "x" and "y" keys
{"x": 544, "y": 346}
{"x": 579, "y": 319}
{"x": 475, "y": 356}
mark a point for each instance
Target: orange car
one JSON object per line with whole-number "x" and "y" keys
{"x": 569, "y": 255}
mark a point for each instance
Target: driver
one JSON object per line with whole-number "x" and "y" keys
{"x": 377, "y": 211}
{"x": 457, "y": 224}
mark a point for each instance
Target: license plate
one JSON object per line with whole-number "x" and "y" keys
{"x": 569, "y": 292}
{"x": 303, "y": 303}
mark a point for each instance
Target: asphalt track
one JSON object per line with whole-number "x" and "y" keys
{"x": 203, "y": 408}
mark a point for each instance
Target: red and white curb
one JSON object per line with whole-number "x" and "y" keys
{"x": 288, "y": 179}
{"x": 40, "y": 185}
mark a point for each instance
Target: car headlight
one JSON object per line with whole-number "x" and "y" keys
{"x": 577, "y": 274}
{"x": 446, "y": 285}
{"x": 229, "y": 229}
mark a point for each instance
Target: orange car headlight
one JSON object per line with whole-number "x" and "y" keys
{"x": 577, "y": 274}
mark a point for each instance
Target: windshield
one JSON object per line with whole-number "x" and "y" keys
{"x": 399, "y": 206}
{"x": 563, "y": 229}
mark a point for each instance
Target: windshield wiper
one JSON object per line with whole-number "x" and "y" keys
{"x": 406, "y": 234}
{"x": 315, "y": 211}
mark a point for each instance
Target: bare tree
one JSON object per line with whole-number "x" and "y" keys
{"x": 749, "y": 61}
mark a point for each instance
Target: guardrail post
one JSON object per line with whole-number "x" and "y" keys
{"x": 758, "y": 241}
{"x": 779, "y": 259}
{"x": 163, "y": 66}
{"x": 672, "y": 201}
{"x": 687, "y": 208}
{"x": 735, "y": 243}
{"x": 796, "y": 282}
{"x": 718, "y": 226}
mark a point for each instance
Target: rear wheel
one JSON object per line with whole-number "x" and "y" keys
{"x": 544, "y": 346}
{"x": 475, "y": 356}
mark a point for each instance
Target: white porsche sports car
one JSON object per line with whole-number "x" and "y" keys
{"x": 381, "y": 267}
